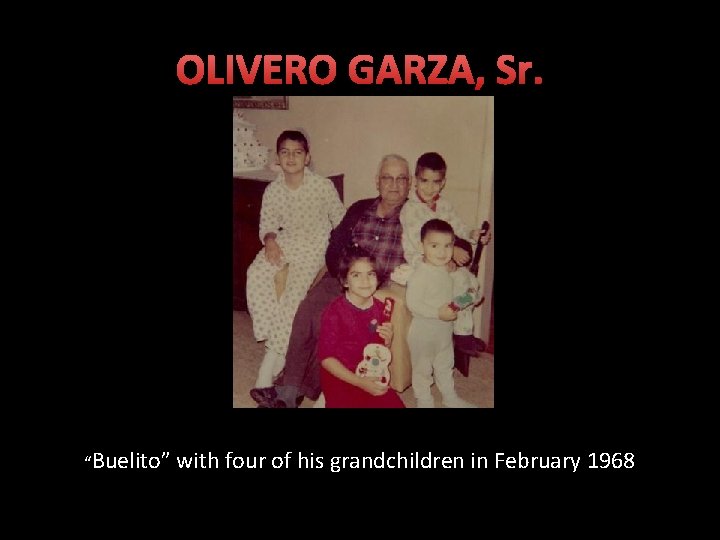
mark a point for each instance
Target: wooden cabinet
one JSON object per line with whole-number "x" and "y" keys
{"x": 248, "y": 189}
{"x": 247, "y": 200}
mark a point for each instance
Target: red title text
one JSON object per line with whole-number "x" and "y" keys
{"x": 363, "y": 69}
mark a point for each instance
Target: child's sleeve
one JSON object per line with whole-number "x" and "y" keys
{"x": 411, "y": 225}
{"x": 270, "y": 213}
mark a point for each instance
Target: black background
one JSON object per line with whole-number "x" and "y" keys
{"x": 151, "y": 333}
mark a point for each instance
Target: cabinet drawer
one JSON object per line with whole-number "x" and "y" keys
{"x": 247, "y": 196}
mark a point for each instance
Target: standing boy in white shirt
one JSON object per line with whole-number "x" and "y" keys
{"x": 429, "y": 298}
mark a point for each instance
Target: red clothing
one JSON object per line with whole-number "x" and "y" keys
{"x": 345, "y": 330}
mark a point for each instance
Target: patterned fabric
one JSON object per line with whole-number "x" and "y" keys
{"x": 416, "y": 213}
{"x": 302, "y": 372}
{"x": 341, "y": 235}
{"x": 295, "y": 214}
{"x": 302, "y": 219}
{"x": 382, "y": 237}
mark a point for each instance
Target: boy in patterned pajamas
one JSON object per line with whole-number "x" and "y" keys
{"x": 299, "y": 209}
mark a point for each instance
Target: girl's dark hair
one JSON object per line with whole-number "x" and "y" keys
{"x": 350, "y": 254}
{"x": 292, "y": 135}
{"x": 436, "y": 225}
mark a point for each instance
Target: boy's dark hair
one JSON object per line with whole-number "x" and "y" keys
{"x": 432, "y": 161}
{"x": 436, "y": 225}
{"x": 292, "y": 135}
{"x": 350, "y": 254}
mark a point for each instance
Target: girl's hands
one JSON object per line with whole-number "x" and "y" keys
{"x": 372, "y": 387}
{"x": 386, "y": 332}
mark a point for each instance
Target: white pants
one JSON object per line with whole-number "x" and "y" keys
{"x": 272, "y": 317}
{"x": 431, "y": 352}
{"x": 271, "y": 365}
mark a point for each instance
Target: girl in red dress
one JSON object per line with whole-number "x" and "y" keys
{"x": 348, "y": 324}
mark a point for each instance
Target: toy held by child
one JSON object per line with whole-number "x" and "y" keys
{"x": 464, "y": 300}
{"x": 375, "y": 362}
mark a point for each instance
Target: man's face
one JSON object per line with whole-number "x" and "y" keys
{"x": 393, "y": 182}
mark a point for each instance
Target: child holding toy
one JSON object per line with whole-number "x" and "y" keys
{"x": 429, "y": 298}
{"x": 348, "y": 325}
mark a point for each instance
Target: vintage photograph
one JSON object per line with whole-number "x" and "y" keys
{"x": 363, "y": 252}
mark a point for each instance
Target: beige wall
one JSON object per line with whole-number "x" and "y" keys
{"x": 349, "y": 134}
